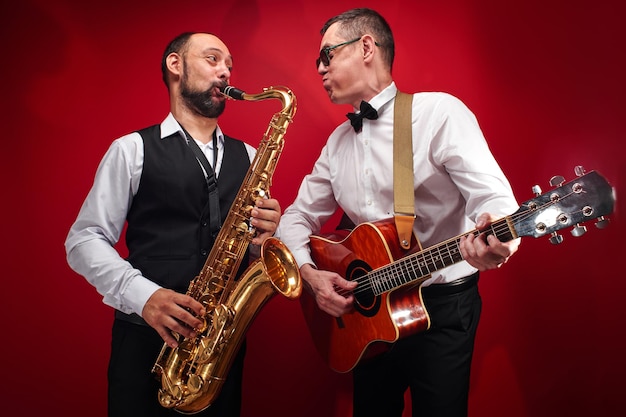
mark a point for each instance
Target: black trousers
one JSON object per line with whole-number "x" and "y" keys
{"x": 434, "y": 365}
{"x": 133, "y": 388}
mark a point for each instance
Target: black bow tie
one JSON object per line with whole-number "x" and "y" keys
{"x": 367, "y": 111}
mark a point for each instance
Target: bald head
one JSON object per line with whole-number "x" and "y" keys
{"x": 199, "y": 43}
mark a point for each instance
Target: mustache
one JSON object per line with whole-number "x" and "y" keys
{"x": 220, "y": 85}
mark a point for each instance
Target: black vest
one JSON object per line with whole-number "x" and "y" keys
{"x": 168, "y": 236}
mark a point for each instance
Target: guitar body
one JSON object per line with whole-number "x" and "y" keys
{"x": 343, "y": 342}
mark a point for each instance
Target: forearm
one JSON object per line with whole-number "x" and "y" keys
{"x": 121, "y": 286}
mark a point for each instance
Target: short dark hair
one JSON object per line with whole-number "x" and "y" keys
{"x": 178, "y": 45}
{"x": 361, "y": 21}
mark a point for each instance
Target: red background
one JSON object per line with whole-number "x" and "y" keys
{"x": 544, "y": 78}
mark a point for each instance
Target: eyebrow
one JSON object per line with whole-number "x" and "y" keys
{"x": 212, "y": 48}
{"x": 209, "y": 49}
{"x": 227, "y": 58}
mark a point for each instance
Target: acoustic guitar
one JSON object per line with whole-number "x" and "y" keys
{"x": 388, "y": 302}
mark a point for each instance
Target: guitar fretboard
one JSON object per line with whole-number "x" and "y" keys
{"x": 419, "y": 265}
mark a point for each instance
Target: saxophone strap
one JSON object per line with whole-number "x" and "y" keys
{"x": 211, "y": 181}
{"x": 403, "y": 189}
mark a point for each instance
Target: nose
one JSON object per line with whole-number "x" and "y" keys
{"x": 321, "y": 68}
{"x": 223, "y": 71}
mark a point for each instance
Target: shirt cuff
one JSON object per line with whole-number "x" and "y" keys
{"x": 302, "y": 257}
{"x": 137, "y": 293}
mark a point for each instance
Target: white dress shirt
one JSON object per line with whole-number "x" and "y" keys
{"x": 91, "y": 239}
{"x": 456, "y": 177}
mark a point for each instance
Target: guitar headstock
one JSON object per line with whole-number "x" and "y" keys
{"x": 570, "y": 204}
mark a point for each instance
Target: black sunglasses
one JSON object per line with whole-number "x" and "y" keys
{"x": 325, "y": 52}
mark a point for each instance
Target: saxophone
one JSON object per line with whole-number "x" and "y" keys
{"x": 193, "y": 373}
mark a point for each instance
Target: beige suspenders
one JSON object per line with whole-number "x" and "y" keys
{"x": 403, "y": 190}
{"x": 403, "y": 194}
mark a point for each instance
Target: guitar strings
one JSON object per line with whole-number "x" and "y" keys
{"x": 497, "y": 228}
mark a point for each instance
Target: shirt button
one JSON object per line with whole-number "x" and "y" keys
{"x": 369, "y": 202}
{"x": 204, "y": 252}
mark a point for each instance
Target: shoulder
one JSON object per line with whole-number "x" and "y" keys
{"x": 130, "y": 147}
{"x": 438, "y": 100}
{"x": 128, "y": 143}
{"x": 150, "y": 131}
{"x": 441, "y": 106}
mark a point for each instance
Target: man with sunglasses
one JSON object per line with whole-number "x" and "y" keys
{"x": 458, "y": 185}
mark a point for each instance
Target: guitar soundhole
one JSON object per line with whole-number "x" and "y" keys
{"x": 365, "y": 301}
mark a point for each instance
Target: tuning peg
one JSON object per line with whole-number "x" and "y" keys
{"x": 536, "y": 190}
{"x": 579, "y": 170}
{"x": 555, "y": 239}
{"x": 602, "y": 222}
{"x": 557, "y": 181}
{"x": 578, "y": 230}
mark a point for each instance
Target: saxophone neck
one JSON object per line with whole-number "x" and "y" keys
{"x": 284, "y": 94}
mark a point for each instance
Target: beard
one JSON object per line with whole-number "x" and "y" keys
{"x": 202, "y": 102}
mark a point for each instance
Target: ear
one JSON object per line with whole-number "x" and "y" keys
{"x": 369, "y": 47}
{"x": 174, "y": 64}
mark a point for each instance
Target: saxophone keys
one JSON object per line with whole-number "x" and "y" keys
{"x": 214, "y": 287}
{"x": 205, "y": 355}
{"x": 170, "y": 398}
{"x": 242, "y": 228}
{"x": 203, "y": 327}
{"x": 194, "y": 384}
{"x": 208, "y": 300}
{"x": 258, "y": 194}
{"x": 186, "y": 349}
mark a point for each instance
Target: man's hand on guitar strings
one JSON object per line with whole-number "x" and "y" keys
{"x": 332, "y": 293}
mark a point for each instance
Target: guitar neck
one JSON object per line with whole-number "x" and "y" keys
{"x": 418, "y": 266}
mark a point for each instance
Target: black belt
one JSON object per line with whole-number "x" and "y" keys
{"x": 131, "y": 318}
{"x": 449, "y": 288}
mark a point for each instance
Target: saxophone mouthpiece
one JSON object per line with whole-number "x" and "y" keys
{"x": 232, "y": 92}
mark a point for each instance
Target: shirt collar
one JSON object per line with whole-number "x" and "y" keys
{"x": 381, "y": 99}
{"x": 170, "y": 126}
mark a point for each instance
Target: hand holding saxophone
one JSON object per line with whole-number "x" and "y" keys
{"x": 168, "y": 311}
{"x": 265, "y": 218}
